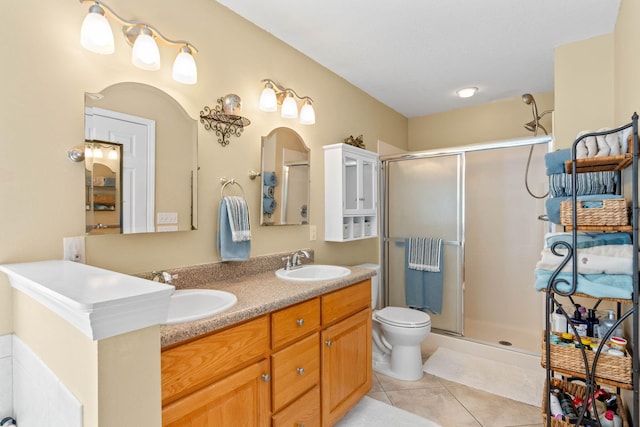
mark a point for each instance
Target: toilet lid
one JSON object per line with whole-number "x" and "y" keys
{"x": 401, "y": 316}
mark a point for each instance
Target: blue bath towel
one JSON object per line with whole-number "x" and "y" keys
{"x": 555, "y": 161}
{"x": 596, "y": 285}
{"x": 423, "y": 289}
{"x": 268, "y": 205}
{"x": 227, "y": 248}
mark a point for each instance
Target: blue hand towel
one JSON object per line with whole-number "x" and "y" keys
{"x": 268, "y": 190}
{"x": 270, "y": 179}
{"x": 238, "y": 212}
{"x": 423, "y": 289}
{"x": 227, "y": 248}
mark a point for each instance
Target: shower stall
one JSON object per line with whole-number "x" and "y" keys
{"x": 475, "y": 199}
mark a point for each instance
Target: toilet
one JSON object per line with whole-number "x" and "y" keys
{"x": 397, "y": 335}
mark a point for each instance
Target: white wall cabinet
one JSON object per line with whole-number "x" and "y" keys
{"x": 350, "y": 193}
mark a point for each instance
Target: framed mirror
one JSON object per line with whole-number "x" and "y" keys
{"x": 285, "y": 178}
{"x": 140, "y": 162}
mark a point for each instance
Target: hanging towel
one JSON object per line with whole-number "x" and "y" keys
{"x": 423, "y": 289}
{"x": 270, "y": 179}
{"x": 424, "y": 253}
{"x": 230, "y": 212}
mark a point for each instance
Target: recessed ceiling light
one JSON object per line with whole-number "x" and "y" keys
{"x": 467, "y": 92}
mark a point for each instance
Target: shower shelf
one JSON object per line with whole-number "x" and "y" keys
{"x": 579, "y": 364}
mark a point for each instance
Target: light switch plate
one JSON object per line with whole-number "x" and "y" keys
{"x": 312, "y": 232}
{"x": 167, "y": 217}
{"x": 74, "y": 249}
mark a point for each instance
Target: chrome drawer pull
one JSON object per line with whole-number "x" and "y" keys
{"x": 300, "y": 322}
{"x": 300, "y": 371}
{"x": 329, "y": 343}
{"x": 266, "y": 378}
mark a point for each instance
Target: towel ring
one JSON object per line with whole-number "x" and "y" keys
{"x": 226, "y": 182}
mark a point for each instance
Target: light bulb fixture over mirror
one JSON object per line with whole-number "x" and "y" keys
{"x": 273, "y": 95}
{"x": 96, "y": 36}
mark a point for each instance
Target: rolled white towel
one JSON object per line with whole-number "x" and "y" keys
{"x": 613, "y": 141}
{"x": 592, "y": 146}
{"x": 581, "y": 147}
{"x": 604, "y": 149}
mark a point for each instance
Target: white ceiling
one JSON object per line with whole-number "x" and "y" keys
{"x": 412, "y": 55}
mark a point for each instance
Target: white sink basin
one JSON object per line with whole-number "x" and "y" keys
{"x": 311, "y": 272}
{"x": 187, "y": 305}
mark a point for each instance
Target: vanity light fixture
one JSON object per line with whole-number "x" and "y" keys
{"x": 467, "y": 92}
{"x": 273, "y": 95}
{"x": 96, "y": 36}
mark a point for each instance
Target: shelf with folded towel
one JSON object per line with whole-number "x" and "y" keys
{"x": 605, "y": 163}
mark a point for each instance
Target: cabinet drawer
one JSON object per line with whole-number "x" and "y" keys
{"x": 303, "y": 412}
{"x": 193, "y": 365}
{"x": 295, "y": 370}
{"x": 293, "y": 322}
{"x": 344, "y": 302}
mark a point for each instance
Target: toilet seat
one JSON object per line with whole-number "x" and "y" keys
{"x": 403, "y": 317}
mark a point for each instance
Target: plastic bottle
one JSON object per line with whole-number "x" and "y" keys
{"x": 554, "y": 405}
{"x": 568, "y": 408}
{"x": 606, "y": 419}
{"x": 592, "y": 323}
{"x": 558, "y": 321}
{"x": 607, "y": 323}
{"x": 578, "y": 323}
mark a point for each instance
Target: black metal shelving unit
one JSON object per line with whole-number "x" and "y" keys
{"x": 630, "y": 307}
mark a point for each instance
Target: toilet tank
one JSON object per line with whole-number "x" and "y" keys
{"x": 375, "y": 282}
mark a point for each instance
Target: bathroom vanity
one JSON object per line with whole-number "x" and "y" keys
{"x": 301, "y": 356}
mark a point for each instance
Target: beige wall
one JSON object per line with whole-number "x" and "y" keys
{"x": 490, "y": 122}
{"x": 583, "y": 78}
{"x": 42, "y": 192}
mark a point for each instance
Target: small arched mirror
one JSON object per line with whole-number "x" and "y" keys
{"x": 285, "y": 178}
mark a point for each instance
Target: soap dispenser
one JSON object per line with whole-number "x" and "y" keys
{"x": 608, "y": 323}
{"x": 558, "y": 320}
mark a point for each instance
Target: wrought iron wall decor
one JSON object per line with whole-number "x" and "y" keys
{"x": 223, "y": 118}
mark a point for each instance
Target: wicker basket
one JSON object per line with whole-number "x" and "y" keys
{"x": 612, "y": 212}
{"x": 612, "y": 370}
{"x": 576, "y": 390}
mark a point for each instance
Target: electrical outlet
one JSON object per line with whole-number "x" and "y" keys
{"x": 167, "y": 217}
{"x": 164, "y": 228}
{"x": 74, "y": 249}
{"x": 312, "y": 232}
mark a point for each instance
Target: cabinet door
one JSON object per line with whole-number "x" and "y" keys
{"x": 351, "y": 184}
{"x": 242, "y": 399}
{"x": 368, "y": 177}
{"x": 346, "y": 365}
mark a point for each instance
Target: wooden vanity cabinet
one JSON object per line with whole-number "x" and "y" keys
{"x": 345, "y": 349}
{"x": 305, "y": 365}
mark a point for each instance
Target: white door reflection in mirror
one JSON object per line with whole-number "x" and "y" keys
{"x": 136, "y": 135}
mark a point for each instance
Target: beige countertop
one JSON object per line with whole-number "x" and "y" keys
{"x": 257, "y": 295}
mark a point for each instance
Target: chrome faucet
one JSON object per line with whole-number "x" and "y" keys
{"x": 296, "y": 260}
{"x": 164, "y": 277}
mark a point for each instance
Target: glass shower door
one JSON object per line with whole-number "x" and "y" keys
{"x": 425, "y": 200}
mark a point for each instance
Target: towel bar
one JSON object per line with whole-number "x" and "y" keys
{"x": 402, "y": 239}
{"x": 226, "y": 182}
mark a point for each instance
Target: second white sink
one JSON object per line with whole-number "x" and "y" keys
{"x": 187, "y": 305}
{"x": 311, "y": 272}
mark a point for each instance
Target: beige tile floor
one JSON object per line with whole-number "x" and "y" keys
{"x": 453, "y": 405}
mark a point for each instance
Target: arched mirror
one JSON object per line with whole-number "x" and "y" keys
{"x": 141, "y": 162}
{"x": 285, "y": 178}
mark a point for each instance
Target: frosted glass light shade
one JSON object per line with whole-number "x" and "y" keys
{"x": 113, "y": 154}
{"x": 268, "y": 100}
{"x": 97, "y": 153}
{"x": 307, "y": 114}
{"x": 184, "y": 68}
{"x": 145, "y": 54}
{"x": 95, "y": 33}
{"x": 289, "y": 108}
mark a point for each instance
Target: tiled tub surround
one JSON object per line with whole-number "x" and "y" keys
{"x": 258, "y": 290}
{"x": 30, "y": 392}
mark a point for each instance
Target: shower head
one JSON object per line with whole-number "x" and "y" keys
{"x": 527, "y": 98}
